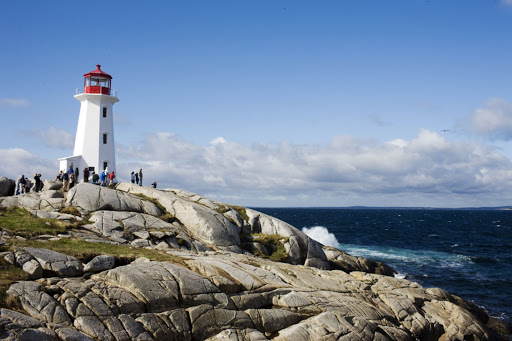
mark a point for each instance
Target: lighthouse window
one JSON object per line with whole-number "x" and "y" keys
{"x": 104, "y": 112}
{"x": 104, "y": 82}
{"x": 95, "y": 81}
{"x": 104, "y": 138}
{"x": 88, "y": 81}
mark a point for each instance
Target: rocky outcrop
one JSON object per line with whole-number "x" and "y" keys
{"x": 211, "y": 285}
{"x": 218, "y": 296}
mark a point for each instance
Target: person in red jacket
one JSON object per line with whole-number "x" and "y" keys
{"x": 111, "y": 178}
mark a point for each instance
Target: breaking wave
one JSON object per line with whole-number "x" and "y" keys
{"x": 321, "y": 235}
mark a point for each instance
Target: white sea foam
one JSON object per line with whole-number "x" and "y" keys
{"x": 321, "y": 235}
{"x": 404, "y": 256}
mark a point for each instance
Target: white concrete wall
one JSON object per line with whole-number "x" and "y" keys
{"x": 90, "y": 129}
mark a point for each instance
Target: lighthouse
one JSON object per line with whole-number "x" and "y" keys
{"x": 94, "y": 140}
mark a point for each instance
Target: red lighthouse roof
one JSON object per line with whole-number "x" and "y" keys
{"x": 98, "y": 72}
{"x": 97, "y": 82}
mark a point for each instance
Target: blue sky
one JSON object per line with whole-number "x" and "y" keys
{"x": 273, "y": 103}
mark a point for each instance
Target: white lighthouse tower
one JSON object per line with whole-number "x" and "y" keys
{"x": 94, "y": 141}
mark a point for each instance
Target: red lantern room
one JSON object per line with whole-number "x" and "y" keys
{"x": 97, "y": 82}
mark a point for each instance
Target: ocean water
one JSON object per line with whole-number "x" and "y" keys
{"x": 466, "y": 252}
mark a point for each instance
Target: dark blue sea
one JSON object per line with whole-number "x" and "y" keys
{"x": 466, "y": 252}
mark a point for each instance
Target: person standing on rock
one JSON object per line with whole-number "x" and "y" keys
{"x": 140, "y": 177}
{"x": 28, "y": 185}
{"x": 39, "y": 184}
{"x": 111, "y": 178}
{"x": 86, "y": 174}
{"x": 95, "y": 178}
{"x": 71, "y": 180}
{"x": 65, "y": 182}
{"x": 133, "y": 177}
{"x": 102, "y": 178}
{"x": 136, "y": 178}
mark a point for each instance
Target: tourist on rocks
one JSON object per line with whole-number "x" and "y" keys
{"x": 111, "y": 178}
{"x": 76, "y": 173}
{"x": 153, "y": 185}
{"x": 37, "y": 178}
{"x": 65, "y": 182}
{"x": 95, "y": 178}
{"x": 102, "y": 178}
{"x": 137, "y": 178}
{"x": 86, "y": 174}
{"x": 59, "y": 176}
{"x": 133, "y": 177}
{"x": 140, "y": 177}
{"x": 70, "y": 170}
{"x": 28, "y": 185}
{"x": 71, "y": 180}
{"x": 20, "y": 185}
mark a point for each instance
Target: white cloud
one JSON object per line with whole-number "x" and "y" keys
{"x": 16, "y": 161}
{"x": 507, "y": 2}
{"x": 493, "y": 120}
{"x": 346, "y": 171}
{"x": 54, "y": 138}
{"x": 15, "y": 102}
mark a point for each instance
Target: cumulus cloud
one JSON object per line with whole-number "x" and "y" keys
{"x": 17, "y": 161}
{"x": 15, "y": 102}
{"x": 493, "y": 120}
{"x": 53, "y": 138}
{"x": 337, "y": 173}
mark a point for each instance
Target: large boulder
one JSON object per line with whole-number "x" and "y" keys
{"x": 6, "y": 186}
{"x": 204, "y": 223}
{"x": 301, "y": 249}
{"x": 51, "y": 262}
{"x": 90, "y": 198}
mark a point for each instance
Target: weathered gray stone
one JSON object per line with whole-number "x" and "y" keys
{"x": 19, "y": 318}
{"x": 50, "y": 185}
{"x": 92, "y": 198}
{"x": 205, "y": 224}
{"x": 100, "y": 263}
{"x": 55, "y": 262}
{"x": 52, "y": 194}
{"x": 6, "y": 186}
{"x": 38, "y": 303}
{"x": 301, "y": 248}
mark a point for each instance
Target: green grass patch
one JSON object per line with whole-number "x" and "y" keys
{"x": 273, "y": 243}
{"x": 85, "y": 251}
{"x": 19, "y": 221}
{"x": 71, "y": 210}
{"x": 221, "y": 209}
{"x": 241, "y": 211}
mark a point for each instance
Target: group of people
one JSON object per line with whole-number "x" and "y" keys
{"x": 136, "y": 177}
{"x": 24, "y": 185}
{"x": 70, "y": 177}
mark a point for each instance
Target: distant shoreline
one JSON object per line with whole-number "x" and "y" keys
{"x": 498, "y": 208}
